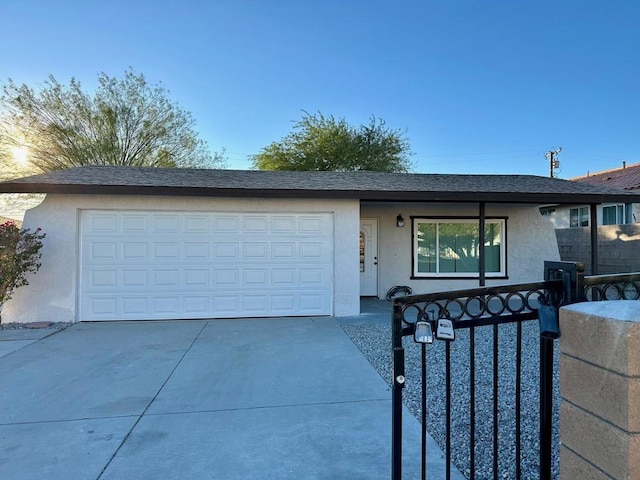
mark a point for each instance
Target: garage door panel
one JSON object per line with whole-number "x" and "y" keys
{"x": 103, "y": 306}
{"x": 312, "y": 225}
{"x": 135, "y": 278}
{"x": 196, "y": 251}
{"x": 197, "y": 224}
{"x": 165, "y": 306}
{"x": 226, "y": 251}
{"x": 166, "y": 278}
{"x": 226, "y": 224}
{"x": 155, "y": 265}
{"x": 311, "y": 250}
{"x": 197, "y": 304}
{"x": 282, "y": 250}
{"x": 311, "y": 302}
{"x": 198, "y": 278}
{"x": 284, "y": 303}
{"x": 313, "y": 276}
{"x": 255, "y": 277}
{"x": 134, "y": 306}
{"x": 224, "y": 277}
{"x": 104, "y": 223}
{"x": 166, "y": 223}
{"x": 283, "y": 276}
{"x": 134, "y": 223}
{"x": 103, "y": 251}
{"x": 255, "y": 224}
{"x": 103, "y": 278}
{"x": 166, "y": 250}
{"x": 283, "y": 224}
{"x": 225, "y": 305}
{"x": 135, "y": 251}
{"x": 254, "y": 304}
{"x": 254, "y": 251}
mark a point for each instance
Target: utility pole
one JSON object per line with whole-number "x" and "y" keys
{"x": 554, "y": 163}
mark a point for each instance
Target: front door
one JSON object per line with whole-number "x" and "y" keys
{"x": 369, "y": 257}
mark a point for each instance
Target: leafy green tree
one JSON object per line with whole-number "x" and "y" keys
{"x": 127, "y": 121}
{"x": 330, "y": 144}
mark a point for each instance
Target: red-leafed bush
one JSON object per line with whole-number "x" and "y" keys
{"x": 19, "y": 256}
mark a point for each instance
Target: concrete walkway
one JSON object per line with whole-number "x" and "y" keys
{"x": 225, "y": 399}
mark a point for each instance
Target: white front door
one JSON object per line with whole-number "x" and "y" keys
{"x": 369, "y": 257}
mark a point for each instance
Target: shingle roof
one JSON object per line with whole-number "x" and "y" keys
{"x": 626, "y": 178}
{"x": 356, "y": 185}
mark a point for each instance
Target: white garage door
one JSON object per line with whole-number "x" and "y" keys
{"x": 170, "y": 265}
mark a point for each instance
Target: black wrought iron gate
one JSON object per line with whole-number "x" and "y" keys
{"x": 484, "y": 316}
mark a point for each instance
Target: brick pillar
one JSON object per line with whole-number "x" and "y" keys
{"x": 600, "y": 388}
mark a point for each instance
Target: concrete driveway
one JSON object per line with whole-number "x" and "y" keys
{"x": 225, "y": 399}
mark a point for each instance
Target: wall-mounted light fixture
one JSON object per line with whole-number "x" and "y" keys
{"x": 399, "y": 221}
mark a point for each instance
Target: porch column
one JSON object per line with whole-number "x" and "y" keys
{"x": 481, "y": 254}
{"x": 593, "y": 210}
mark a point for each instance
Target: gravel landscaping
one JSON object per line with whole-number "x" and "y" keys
{"x": 374, "y": 341}
{"x": 25, "y": 326}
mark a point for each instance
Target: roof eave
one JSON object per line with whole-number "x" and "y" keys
{"x": 366, "y": 195}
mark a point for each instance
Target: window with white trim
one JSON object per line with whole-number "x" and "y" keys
{"x": 579, "y": 217}
{"x": 614, "y": 214}
{"x": 451, "y": 247}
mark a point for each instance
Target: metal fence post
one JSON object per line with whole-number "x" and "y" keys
{"x": 546, "y": 406}
{"x": 396, "y": 396}
{"x": 568, "y": 273}
{"x": 581, "y": 294}
{"x": 572, "y": 276}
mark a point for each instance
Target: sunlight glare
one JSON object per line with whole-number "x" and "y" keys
{"x": 20, "y": 155}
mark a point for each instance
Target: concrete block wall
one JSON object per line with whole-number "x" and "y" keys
{"x": 618, "y": 247}
{"x": 600, "y": 389}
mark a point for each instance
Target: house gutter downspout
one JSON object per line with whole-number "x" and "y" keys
{"x": 593, "y": 209}
{"x": 481, "y": 253}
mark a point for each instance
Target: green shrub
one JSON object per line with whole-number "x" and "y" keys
{"x": 19, "y": 256}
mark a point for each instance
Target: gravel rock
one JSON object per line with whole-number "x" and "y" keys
{"x": 374, "y": 341}
{"x": 24, "y": 326}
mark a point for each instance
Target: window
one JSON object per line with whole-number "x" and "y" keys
{"x": 547, "y": 210}
{"x": 614, "y": 214}
{"x": 451, "y": 248}
{"x": 579, "y": 217}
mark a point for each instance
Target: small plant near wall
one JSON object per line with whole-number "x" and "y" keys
{"x": 19, "y": 256}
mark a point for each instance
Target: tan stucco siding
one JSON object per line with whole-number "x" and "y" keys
{"x": 530, "y": 241}
{"x": 52, "y": 293}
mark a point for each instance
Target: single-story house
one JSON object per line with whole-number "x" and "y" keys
{"x": 127, "y": 243}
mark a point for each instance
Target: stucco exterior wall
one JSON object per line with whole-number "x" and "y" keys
{"x": 52, "y": 292}
{"x": 530, "y": 241}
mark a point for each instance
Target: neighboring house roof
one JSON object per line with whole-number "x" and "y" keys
{"x": 362, "y": 185}
{"x": 626, "y": 178}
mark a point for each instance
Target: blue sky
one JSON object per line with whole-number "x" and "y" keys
{"x": 480, "y": 86}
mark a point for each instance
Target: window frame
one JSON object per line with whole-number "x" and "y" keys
{"x": 621, "y": 210}
{"x": 417, "y": 221}
{"x": 579, "y": 216}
